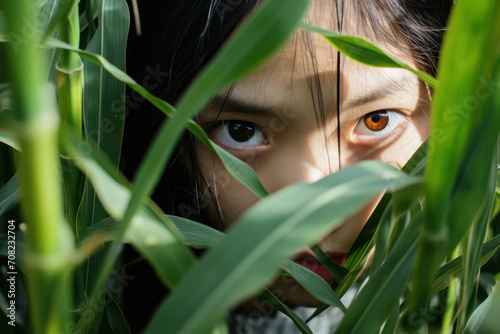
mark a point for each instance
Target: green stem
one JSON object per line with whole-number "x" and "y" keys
{"x": 70, "y": 87}
{"x": 70, "y": 75}
{"x": 70, "y": 92}
{"x": 48, "y": 239}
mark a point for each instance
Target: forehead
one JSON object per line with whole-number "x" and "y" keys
{"x": 308, "y": 63}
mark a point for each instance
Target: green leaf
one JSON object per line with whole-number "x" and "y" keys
{"x": 365, "y": 52}
{"x": 156, "y": 239}
{"x": 462, "y": 113}
{"x": 7, "y": 117}
{"x": 313, "y": 283}
{"x": 173, "y": 259}
{"x": 364, "y": 242}
{"x": 390, "y": 325}
{"x": 452, "y": 127}
{"x": 268, "y": 28}
{"x": 197, "y": 235}
{"x": 53, "y": 12}
{"x": 116, "y": 319}
{"x": 103, "y": 117}
{"x": 299, "y": 323}
{"x": 202, "y": 236}
{"x": 10, "y": 194}
{"x": 103, "y": 120}
{"x": 9, "y": 140}
{"x": 151, "y": 234}
{"x": 104, "y": 95}
{"x": 336, "y": 270}
{"x": 394, "y": 220}
{"x": 255, "y": 42}
{"x": 382, "y": 238}
{"x": 472, "y": 249}
{"x": 3, "y": 28}
{"x": 250, "y": 47}
{"x": 237, "y": 168}
{"x": 6, "y": 97}
{"x": 381, "y": 293}
{"x": 269, "y": 232}
{"x": 485, "y": 319}
{"x": 106, "y": 226}
{"x": 221, "y": 327}
{"x": 454, "y": 268}
{"x": 50, "y": 16}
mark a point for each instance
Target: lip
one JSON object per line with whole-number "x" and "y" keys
{"x": 307, "y": 260}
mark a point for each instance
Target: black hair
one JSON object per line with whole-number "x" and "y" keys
{"x": 180, "y": 37}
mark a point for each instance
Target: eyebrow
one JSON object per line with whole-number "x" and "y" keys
{"x": 230, "y": 104}
{"x": 233, "y": 105}
{"x": 388, "y": 88}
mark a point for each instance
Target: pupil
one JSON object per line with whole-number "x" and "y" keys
{"x": 241, "y": 131}
{"x": 375, "y": 118}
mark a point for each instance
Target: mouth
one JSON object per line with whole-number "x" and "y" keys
{"x": 307, "y": 260}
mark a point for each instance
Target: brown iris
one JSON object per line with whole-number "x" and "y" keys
{"x": 377, "y": 120}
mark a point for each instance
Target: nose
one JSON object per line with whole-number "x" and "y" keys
{"x": 312, "y": 171}
{"x": 306, "y": 164}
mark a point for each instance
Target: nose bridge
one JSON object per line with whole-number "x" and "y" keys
{"x": 305, "y": 158}
{"x": 318, "y": 159}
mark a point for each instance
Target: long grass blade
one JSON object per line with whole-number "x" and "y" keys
{"x": 358, "y": 253}
{"x": 237, "y": 168}
{"x": 202, "y": 236}
{"x": 255, "y": 42}
{"x": 313, "y": 283}
{"x": 338, "y": 271}
{"x": 52, "y": 14}
{"x": 116, "y": 319}
{"x": 9, "y": 194}
{"x": 454, "y": 269}
{"x": 283, "y": 222}
{"x": 197, "y": 235}
{"x": 103, "y": 118}
{"x": 365, "y": 52}
{"x": 280, "y": 306}
{"x": 472, "y": 252}
{"x": 161, "y": 244}
{"x": 380, "y": 295}
{"x": 485, "y": 318}
{"x": 454, "y": 160}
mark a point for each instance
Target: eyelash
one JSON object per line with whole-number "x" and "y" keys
{"x": 394, "y": 119}
{"x": 219, "y": 131}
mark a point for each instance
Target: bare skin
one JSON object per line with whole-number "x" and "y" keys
{"x": 270, "y": 121}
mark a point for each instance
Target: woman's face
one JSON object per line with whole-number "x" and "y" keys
{"x": 282, "y": 121}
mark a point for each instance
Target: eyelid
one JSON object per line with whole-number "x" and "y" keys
{"x": 226, "y": 112}
{"x": 241, "y": 150}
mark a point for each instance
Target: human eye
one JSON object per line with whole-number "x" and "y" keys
{"x": 237, "y": 135}
{"x": 378, "y": 123}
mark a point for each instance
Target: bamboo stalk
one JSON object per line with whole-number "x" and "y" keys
{"x": 48, "y": 239}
